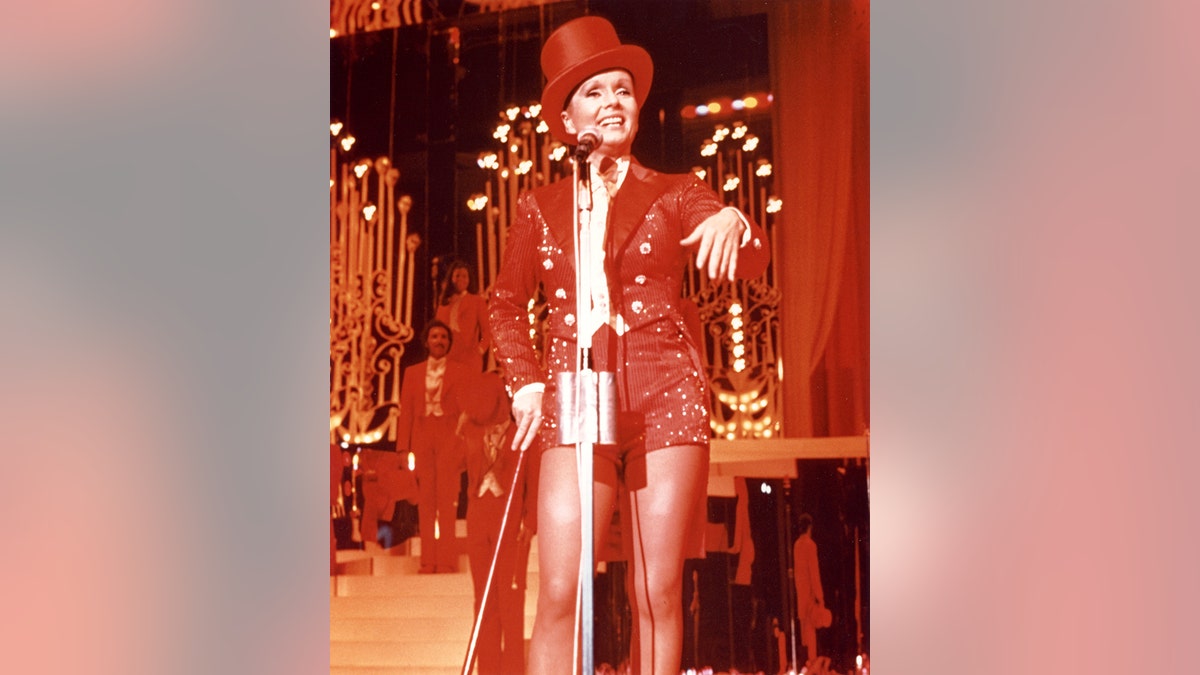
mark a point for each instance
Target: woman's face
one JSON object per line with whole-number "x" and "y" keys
{"x": 460, "y": 278}
{"x": 605, "y": 101}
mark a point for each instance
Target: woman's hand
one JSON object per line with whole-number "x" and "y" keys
{"x": 527, "y": 411}
{"x": 720, "y": 237}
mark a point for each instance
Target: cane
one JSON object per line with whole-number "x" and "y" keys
{"x": 487, "y": 588}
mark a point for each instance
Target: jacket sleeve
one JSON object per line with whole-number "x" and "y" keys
{"x": 408, "y": 402}
{"x": 485, "y": 329}
{"x": 515, "y": 286}
{"x": 814, "y": 574}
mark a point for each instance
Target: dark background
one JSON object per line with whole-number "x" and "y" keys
{"x": 400, "y": 93}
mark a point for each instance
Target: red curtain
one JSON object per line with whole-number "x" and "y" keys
{"x": 820, "y": 70}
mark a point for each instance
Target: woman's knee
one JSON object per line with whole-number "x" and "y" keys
{"x": 556, "y": 591}
{"x": 659, "y": 593}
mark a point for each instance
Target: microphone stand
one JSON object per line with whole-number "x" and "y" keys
{"x": 586, "y": 404}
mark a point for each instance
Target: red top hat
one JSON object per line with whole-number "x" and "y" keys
{"x": 579, "y": 49}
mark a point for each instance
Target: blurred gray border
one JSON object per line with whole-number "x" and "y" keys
{"x": 176, "y": 206}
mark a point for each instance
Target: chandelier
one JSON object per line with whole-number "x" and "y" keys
{"x": 741, "y": 318}
{"x": 370, "y": 293}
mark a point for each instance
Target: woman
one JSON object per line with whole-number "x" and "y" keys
{"x": 466, "y": 313}
{"x": 645, "y": 226}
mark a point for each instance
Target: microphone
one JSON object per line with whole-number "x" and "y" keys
{"x": 587, "y": 140}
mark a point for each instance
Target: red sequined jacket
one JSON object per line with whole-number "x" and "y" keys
{"x": 645, "y": 263}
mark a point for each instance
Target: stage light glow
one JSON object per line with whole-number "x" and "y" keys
{"x": 512, "y": 112}
{"x": 774, "y": 204}
{"x": 750, "y": 102}
{"x": 731, "y": 183}
{"x": 764, "y": 169}
{"x": 739, "y": 130}
{"x": 368, "y": 211}
{"x": 700, "y": 172}
{"x": 701, "y": 110}
{"x": 361, "y": 168}
{"x": 750, "y": 144}
{"x": 737, "y": 104}
{"x": 347, "y": 143}
{"x": 708, "y": 149}
{"x": 335, "y": 128}
{"x": 714, "y": 107}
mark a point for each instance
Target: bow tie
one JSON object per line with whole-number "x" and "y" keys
{"x": 608, "y": 173}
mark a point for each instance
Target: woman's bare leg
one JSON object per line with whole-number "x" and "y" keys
{"x": 552, "y": 645}
{"x": 676, "y": 477}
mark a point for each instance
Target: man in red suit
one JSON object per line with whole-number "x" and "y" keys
{"x": 429, "y": 408}
{"x": 645, "y": 226}
{"x": 810, "y": 596}
{"x": 487, "y": 430}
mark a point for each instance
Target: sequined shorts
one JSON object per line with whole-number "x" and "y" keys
{"x": 662, "y": 395}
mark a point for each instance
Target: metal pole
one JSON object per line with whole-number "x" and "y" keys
{"x": 583, "y": 302}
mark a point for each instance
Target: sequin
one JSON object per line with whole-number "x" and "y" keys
{"x": 636, "y": 305}
{"x": 645, "y": 248}
{"x": 561, "y": 294}
{"x": 548, "y": 264}
{"x": 569, "y": 319}
{"x": 640, "y": 279}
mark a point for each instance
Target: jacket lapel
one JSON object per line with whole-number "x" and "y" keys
{"x": 555, "y": 203}
{"x": 638, "y": 191}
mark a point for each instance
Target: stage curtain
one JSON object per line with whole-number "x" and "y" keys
{"x": 821, "y": 85}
